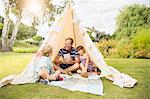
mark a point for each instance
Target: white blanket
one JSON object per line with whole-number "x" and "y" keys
{"x": 120, "y": 79}
{"x": 92, "y": 84}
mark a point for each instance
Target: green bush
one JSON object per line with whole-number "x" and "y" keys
{"x": 1, "y": 25}
{"x": 126, "y": 51}
{"x": 37, "y": 38}
{"x": 23, "y": 47}
{"x": 138, "y": 47}
{"x": 113, "y": 48}
{"x": 125, "y": 48}
{"x": 31, "y": 42}
{"x": 141, "y": 43}
{"x": 107, "y": 47}
{"x": 0, "y": 44}
{"x": 141, "y": 40}
{"x": 22, "y": 44}
{"x": 142, "y": 54}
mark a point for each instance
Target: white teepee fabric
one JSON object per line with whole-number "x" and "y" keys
{"x": 68, "y": 26}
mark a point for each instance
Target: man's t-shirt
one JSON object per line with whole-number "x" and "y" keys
{"x": 64, "y": 53}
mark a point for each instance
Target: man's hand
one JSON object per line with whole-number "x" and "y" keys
{"x": 68, "y": 61}
{"x": 71, "y": 61}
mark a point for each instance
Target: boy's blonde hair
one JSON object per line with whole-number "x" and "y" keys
{"x": 47, "y": 49}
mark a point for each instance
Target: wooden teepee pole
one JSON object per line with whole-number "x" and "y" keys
{"x": 74, "y": 31}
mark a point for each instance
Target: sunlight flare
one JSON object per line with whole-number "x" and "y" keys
{"x": 35, "y": 7}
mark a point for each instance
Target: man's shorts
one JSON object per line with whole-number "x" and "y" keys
{"x": 64, "y": 66}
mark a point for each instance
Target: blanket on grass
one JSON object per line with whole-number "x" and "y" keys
{"x": 92, "y": 84}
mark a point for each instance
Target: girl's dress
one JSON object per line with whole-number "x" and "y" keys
{"x": 90, "y": 67}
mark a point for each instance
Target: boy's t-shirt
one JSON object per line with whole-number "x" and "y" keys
{"x": 44, "y": 62}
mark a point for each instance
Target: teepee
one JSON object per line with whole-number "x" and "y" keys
{"x": 65, "y": 26}
{"x": 68, "y": 26}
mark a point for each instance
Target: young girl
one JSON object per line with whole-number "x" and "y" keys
{"x": 45, "y": 68}
{"x": 85, "y": 64}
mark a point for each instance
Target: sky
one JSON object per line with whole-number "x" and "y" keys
{"x": 100, "y": 14}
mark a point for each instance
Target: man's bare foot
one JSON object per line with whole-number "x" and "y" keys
{"x": 69, "y": 73}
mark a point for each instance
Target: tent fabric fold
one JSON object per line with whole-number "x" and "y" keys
{"x": 65, "y": 26}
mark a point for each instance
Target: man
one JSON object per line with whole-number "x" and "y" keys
{"x": 70, "y": 58}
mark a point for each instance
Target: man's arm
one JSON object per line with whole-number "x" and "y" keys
{"x": 74, "y": 61}
{"x": 77, "y": 60}
{"x": 58, "y": 62}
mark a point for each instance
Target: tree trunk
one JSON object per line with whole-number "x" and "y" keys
{"x": 5, "y": 40}
{"x": 15, "y": 31}
{"x": 6, "y": 27}
{"x": 7, "y": 44}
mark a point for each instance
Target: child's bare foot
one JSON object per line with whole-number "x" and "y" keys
{"x": 51, "y": 78}
{"x": 79, "y": 71}
{"x": 63, "y": 71}
{"x": 98, "y": 73}
{"x": 85, "y": 75}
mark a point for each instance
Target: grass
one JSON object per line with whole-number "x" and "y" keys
{"x": 13, "y": 63}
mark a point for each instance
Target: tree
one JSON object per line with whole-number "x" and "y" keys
{"x": 16, "y": 27}
{"x": 17, "y": 7}
{"x": 6, "y": 26}
{"x": 57, "y": 10}
{"x": 90, "y": 34}
{"x": 25, "y": 32}
{"x": 129, "y": 19}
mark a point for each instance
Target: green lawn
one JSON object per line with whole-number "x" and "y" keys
{"x": 13, "y": 63}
